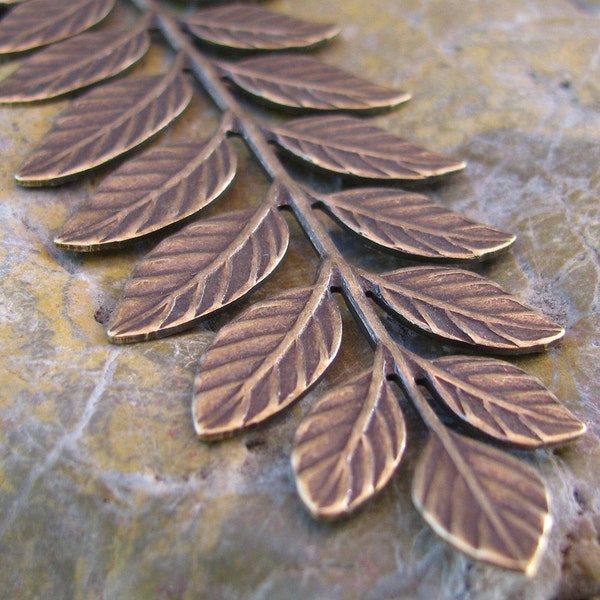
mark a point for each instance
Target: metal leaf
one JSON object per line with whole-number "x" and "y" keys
{"x": 104, "y": 123}
{"x": 483, "y": 501}
{"x": 502, "y": 401}
{"x": 461, "y": 306}
{"x": 160, "y": 187}
{"x": 250, "y": 27}
{"x": 411, "y": 223}
{"x": 74, "y": 64}
{"x": 349, "y": 146}
{"x": 199, "y": 270}
{"x": 39, "y": 22}
{"x": 297, "y": 81}
{"x": 349, "y": 445}
{"x": 265, "y": 359}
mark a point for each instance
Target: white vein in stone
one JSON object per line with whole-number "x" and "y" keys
{"x": 68, "y": 440}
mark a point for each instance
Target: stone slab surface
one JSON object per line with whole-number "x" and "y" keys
{"x": 105, "y": 491}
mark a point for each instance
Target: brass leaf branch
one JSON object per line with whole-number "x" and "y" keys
{"x": 477, "y": 497}
{"x": 496, "y": 538}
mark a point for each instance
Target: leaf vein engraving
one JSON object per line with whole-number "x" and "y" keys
{"x": 351, "y": 442}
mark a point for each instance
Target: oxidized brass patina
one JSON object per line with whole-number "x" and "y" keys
{"x": 479, "y": 498}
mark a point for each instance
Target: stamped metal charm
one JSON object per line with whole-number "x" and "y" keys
{"x": 479, "y": 498}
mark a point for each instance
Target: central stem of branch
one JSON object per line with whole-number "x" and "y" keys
{"x": 398, "y": 361}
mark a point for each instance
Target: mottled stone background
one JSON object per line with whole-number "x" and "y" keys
{"x": 104, "y": 490}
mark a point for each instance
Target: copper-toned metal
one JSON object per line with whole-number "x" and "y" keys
{"x": 464, "y": 307}
{"x": 198, "y": 270}
{"x": 297, "y": 81}
{"x": 483, "y": 501}
{"x": 134, "y": 109}
{"x": 349, "y": 146}
{"x": 266, "y": 358}
{"x": 251, "y": 27}
{"x": 413, "y": 224}
{"x": 36, "y": 23}
{"x": 158, "y": 188}
{"x": 502, "y": 401}
{"x": 349, "y": 445}
{"x": 75, "y": 63}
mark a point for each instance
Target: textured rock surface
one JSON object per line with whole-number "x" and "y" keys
{"x": 104, "y": 490}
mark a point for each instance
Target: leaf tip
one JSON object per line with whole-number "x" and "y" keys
{"x": 115, "y": 337}
{"x": 508, "y": 240}
{"x": 31, "y": 175}
{"x": 317, "y": 510}
{"x": 72, "y": 243}
{"x": 27, "y": 179}
{"x": 575, "y": 428}
{"x": 560, "y": 333}
{"x": 330, "y": 31}
{"x": 66, "y": 242}
{"x": 127, "y": 327}
{"x": 401, "y": 97}
{"x": 208, "y": 421}
{"x": 530, "y": 567}
{"x": 451, "y": 167}
{"x": 122, "y": 332}
{"x": 581, "y": 429}
{"x": 554, "y": 333}
{"x": 205, "y": 432}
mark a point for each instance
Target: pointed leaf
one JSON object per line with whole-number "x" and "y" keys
{"x": 105, "y": 123}
{"x": 411, "y": 223}
{"x": 483, "y": 501}
{"x": 502, "y": 401}
{"x": 39, "y": 22}
{"x": 162, "y": 186}
{"x": 349, "y": 445}
{"x": 265, "y": 359}
{"x": 251, "y": 27}
{"x": 299, "y": 81}
{"x": 75, "y": 63}
{"x": 464, "y": 307}
{"x": 350, "y": 146}
{"x": 197, "y": 271}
